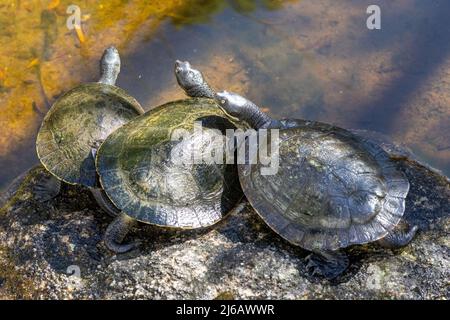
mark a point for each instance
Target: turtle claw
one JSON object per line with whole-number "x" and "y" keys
{"x": 328, "y": 265}
{"x": 46, "y": 188}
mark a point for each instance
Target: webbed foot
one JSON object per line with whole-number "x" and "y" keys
{"x": 46, "y": 188}
{"x": 327, "y": 264}
{"x": 116, "y": 232}
{"x": 399, "y": 237}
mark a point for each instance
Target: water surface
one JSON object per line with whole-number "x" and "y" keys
{"x": 310, "y": 59}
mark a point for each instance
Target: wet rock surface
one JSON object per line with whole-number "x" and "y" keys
{"x": 54, "y": 250}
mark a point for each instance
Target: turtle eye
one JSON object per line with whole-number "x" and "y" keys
{"x": 222, "y": 101}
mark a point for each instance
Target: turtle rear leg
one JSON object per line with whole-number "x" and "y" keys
{"x": 116, "y": 232}
{"x": 399, "y": 237}
{"x": 328, "y": 264}
{"x": 46, "y": 188}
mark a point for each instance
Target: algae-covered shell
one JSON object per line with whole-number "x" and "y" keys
{"x": 332, "y": 189}
{"x": 147, "y": 171}
{"x": 76, "y": 124}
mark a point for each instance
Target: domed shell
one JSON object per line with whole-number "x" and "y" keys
{"x": 77, "y": 122}
{"x": 332, "y": 188}
{"x": 147, "y": 170}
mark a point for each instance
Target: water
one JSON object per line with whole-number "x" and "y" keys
{"x": 309, "y": 59}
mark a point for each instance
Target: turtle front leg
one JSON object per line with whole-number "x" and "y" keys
{"x": 328, "y": 264}
{"x": 46, "y": 188}
{"x": 402, "y": 234}
{"x": 116, "y": 232}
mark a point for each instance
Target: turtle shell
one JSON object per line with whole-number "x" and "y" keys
{"x": 78, "y": 122}
{"x": 332, "y": 188}
{"x": 143, "y": 169}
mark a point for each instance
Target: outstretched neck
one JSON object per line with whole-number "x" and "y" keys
{"x": 257, "y": 119}
{"x": 108, "y": 76}
{"x": 202, "y": 90}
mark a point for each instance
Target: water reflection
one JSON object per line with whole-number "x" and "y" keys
{"x": 310, "y": 59}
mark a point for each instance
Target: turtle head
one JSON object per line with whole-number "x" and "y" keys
{"x": 192, "y": 81}
{"x": 232, "y": 104}
{"x": 109, "y": 66}
{"x": 242, "y": 109}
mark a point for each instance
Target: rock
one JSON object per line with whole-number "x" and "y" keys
{"x": 41, "y": 244}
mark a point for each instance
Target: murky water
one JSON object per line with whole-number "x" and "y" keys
{"x": 314, "y": 59}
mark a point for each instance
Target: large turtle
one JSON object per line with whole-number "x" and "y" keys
{"x": 76, "y": 125}
{"x": 332, "y": 189}
{"x": 151, "y": 175}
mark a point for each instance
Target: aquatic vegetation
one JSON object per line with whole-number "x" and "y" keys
{"x": 201, "y": 11}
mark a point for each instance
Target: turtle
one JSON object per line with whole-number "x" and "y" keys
{"x": 76, "y": 125}
{"x": 333, "y": 188}
{"x": 146, "y": 169}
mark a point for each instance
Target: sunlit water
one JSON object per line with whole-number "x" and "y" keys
{"x": 308, "y": 59}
